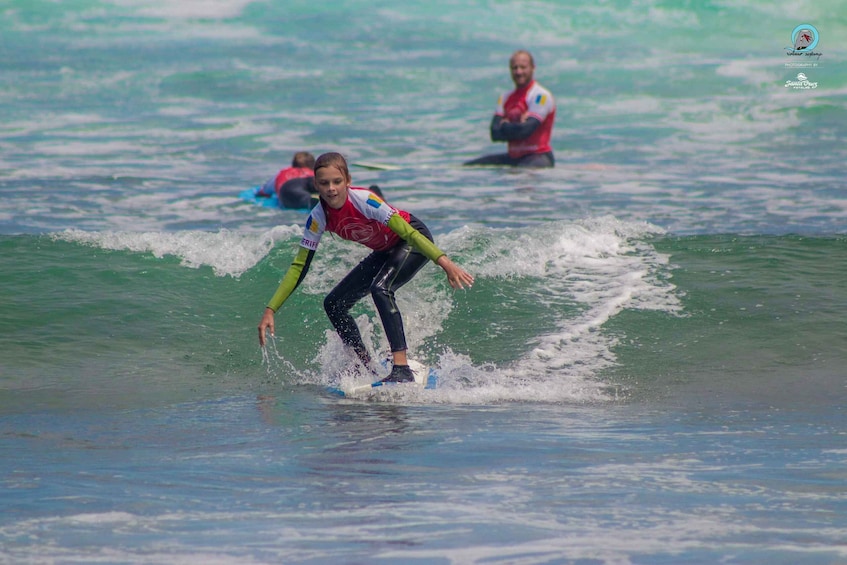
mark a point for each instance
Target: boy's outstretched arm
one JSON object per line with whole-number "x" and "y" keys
{"x": 292, "y": 279}
{"x": 456, "y": 276}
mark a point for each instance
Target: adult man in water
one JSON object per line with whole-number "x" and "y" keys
{"x": 524, "y": 119}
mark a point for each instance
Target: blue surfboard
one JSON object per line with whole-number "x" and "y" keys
{"x": 252, "y": 195}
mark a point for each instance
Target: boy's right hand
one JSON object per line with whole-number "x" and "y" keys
{"x": 266, "y": 324}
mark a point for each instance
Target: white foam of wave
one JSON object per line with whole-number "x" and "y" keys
{"x": 602, "y": 265}
{"x": 228, "y": 253}
{"x": 752, "y": 71}
{"x": 68, "y": 146}
{"x": 620, "y": 536}
{"x": 788, "y": 10}
{"x": 589, "y": 514}
{"x": 124, "y": 22}
{"x": 187, "y": 9}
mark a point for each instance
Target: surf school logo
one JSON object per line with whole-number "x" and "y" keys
{"x": 804, "y": 39}
{"x": 802, "y": 83}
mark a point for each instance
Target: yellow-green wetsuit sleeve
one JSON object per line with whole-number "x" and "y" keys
{"x": 296, "y": 272}
{"x": 415, "y": 238}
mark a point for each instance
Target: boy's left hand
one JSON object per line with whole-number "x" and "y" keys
{"x": 456, "y": 276}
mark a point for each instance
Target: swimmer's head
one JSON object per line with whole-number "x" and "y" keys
{"x": 303, "y": 160}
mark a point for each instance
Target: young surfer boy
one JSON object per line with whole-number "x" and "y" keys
{"x": 401, "y": 244}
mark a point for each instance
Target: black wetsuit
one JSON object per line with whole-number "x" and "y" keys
{"x": 501, "y": 130}
{"x": 298, "y": 193}
{"x": 379, "y": 274}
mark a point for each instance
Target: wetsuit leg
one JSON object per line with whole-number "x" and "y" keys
{"x": 381, "y": 273}
{"x": 496, "y": 159}
{"x": 267, "y": 189}
{"x": 346, "y": 293}
{"x": 536, "y": 160}
{"x": 402, "y": 264}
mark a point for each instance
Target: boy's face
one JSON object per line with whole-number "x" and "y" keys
{"x": 332, "y": 185}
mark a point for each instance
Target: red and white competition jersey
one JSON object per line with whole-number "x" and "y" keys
{"x": 531, "y": 101}
{"x": 363, "y": 218}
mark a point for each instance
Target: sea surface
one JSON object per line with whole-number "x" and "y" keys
{"x": 650, "y": 369}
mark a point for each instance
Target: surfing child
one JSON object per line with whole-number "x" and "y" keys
{"x": 401, "y": 245}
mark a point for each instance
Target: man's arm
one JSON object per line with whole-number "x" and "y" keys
{"x": 502, "y": 130}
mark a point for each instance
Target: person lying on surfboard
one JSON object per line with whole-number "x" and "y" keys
{"x": 302, "y": 165}
{"x": 401, "y": 245}
{"x": 294, "y": 186}
{"x": 300, "y": 193}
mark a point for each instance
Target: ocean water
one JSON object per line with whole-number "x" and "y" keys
{"x": 650, "y": 368}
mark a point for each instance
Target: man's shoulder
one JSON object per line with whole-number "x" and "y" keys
{"x": 539, "y": 97}
{"x": 537, "y": 89}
